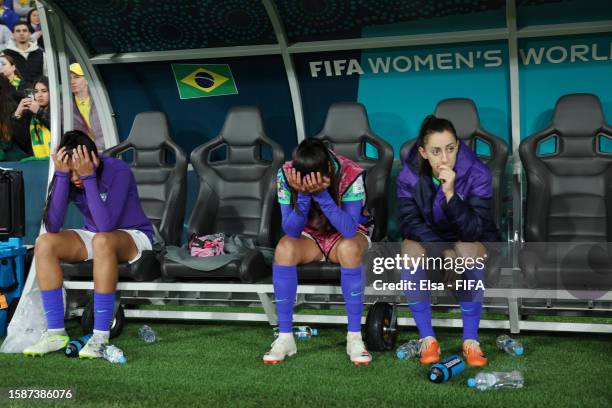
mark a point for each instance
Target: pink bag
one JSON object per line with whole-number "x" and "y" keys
{"x": 206, "y": 245}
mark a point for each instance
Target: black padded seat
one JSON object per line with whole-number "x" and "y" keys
{"x": 347, "y": 132}
{"x": 569, "y": 199}
{"x": 162, "y": 184}
{"x": 463, "y": 114}
{"x": 237, "y": 194}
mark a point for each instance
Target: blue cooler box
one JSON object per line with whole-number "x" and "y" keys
{"x": 12, "y": 265}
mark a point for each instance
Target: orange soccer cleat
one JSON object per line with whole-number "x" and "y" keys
{"x": 430, "y": 350}
{"x": 473, "y": 354}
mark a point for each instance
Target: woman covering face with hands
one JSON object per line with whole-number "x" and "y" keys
{"x": 116, "y": 230}
{"x": 444, "y": 205}
{"x": 322, "y": 198}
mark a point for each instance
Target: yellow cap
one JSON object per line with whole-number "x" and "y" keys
{"x": 76, "y": 69}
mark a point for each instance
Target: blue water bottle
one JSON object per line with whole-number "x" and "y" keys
{"x": 74, "y": 346}
{"x": 446, "y": 369}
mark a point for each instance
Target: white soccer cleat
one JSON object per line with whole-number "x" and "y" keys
{"x": 93, "y": 347}
{"x": 356, "y": 349}
{"x": 48, "y": 343}
{"x": 284, "y": 346}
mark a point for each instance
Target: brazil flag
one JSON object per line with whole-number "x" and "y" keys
{"x": 198, "y": 81}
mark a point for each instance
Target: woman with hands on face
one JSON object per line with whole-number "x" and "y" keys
{"x": 444, "y": 204}
{"x": 322, "y": 198}
{"x": 116, "y": 230}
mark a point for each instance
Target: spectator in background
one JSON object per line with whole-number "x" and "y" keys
{"x": 5, "y": 37}
{"x": 33, "y": 21}
{"x": 7, "y": 16}
{"x": 10, "y": 71}
{"x": 28, "y": 57}
{"x": 31, "y": 121}
{"x": 85, "y": 113}
{"x": 9, "y": 150}
{"x": 22, "y": 7}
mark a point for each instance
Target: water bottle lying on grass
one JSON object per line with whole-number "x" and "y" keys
{"x": 113, "y": 354}
{"x": 494, "y": 380}
{"x": 509, "y": 345}
{"x": 408, "y": 350}
{"x": 300, "y": 332}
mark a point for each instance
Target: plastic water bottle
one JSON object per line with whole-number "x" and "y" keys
{"x": 493, "y": 380}
{"x": 147, "y": 334}
{"x": 74, "y": 346}
{"x": 300, "y": 332}
{"x": 113, "y": 354}
{"x": 446, "y": 369}
{"x": 509, "y": 345}
{"x": 408, "y": 350}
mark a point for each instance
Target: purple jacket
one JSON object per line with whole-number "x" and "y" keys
{"x": 107, "y": 205}
{"x": 424, "y": 214}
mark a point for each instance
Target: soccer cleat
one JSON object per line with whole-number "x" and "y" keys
{"x": 473, "y": 354}
{"x": 356, "y": 349}
{"x": 93, "y": 347}
{"x": 429, "y": 350}
{"x": 284, "y": 346}
{"x": 48, "y": 343}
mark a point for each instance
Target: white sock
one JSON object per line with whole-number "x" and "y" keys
{"x": 285, "y": 334}
{"x": 353, "y": 334}
{"x": 57, "y": 332}
{"x": 102, "y": 335}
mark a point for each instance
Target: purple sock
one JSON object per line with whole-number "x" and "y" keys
{"x": 53, "y": 303}
{"x": 470, "y": 314}
{"x": 285, "y": 283}
{"x": 470, "y": 300}
{"x": 104, "y": 303}
{"x": 352, "y": 289}
{"x": 418, "y": 301}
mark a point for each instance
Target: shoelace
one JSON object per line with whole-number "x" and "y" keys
{"x": 425, "y": 344}
{"x": 473, "y": 346}
{"x": 274, "y": 343}
{"x": 359, "y": 343}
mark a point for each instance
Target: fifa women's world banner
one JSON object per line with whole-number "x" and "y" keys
{"x": 386, "y": 63}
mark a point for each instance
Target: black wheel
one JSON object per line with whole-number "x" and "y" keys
{"x": 118, "y": 322}
{"x": 116, "y": 327}
{"x": 380, "y": 335}
{"x": 11, "y": 310}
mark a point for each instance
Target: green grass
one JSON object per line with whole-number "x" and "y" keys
{"x": 219, "y": 364}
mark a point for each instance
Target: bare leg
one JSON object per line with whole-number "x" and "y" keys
{"x": 110, "y": 248}
{"x": 295, "y": 251}
{"x": 50, "y": 249}
{"x": 348, "y": 252}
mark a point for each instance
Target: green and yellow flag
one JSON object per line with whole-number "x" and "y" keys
{"x": 199, "y": 81}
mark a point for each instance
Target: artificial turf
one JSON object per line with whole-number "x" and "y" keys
{"x": 219, "y": 364}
